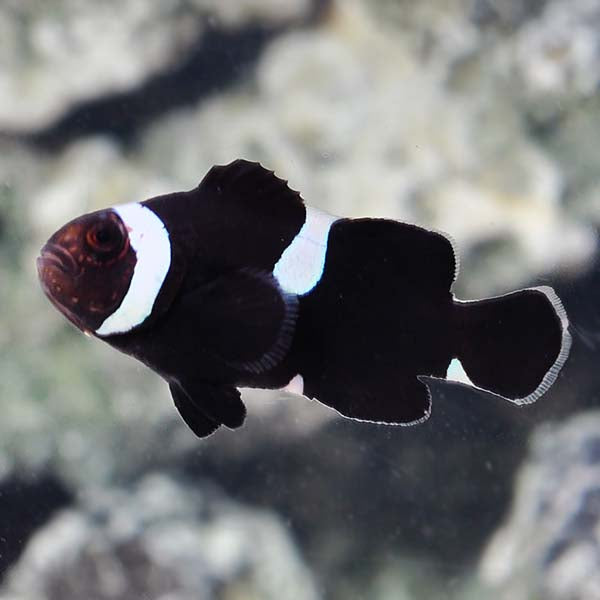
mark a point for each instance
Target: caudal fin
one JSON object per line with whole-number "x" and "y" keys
{"x": 513, "y": 345}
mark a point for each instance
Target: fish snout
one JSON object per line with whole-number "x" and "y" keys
{"x": 57, "y": 272}
{"x": 53, "y": 256}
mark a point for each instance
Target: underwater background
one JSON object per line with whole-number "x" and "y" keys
{"x": 476, "y": 117}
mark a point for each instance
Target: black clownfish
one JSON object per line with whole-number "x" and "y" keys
{"x": 237, "y": 283}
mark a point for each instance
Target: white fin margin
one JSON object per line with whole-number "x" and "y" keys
{"x": 150, "y": 241}
{"x": 565, "y": 347}
{"x": 454, "y": 246}
{"x": 296, "y": 386}
{"x": 418, "y": 421}
{"x": 301, "y": 264}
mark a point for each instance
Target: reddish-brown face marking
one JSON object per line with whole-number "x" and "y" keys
{"x": 85, "y": 268}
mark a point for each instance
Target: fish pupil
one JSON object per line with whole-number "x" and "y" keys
{"x": 104, "y": 235}
{"x": 105, "y": 238}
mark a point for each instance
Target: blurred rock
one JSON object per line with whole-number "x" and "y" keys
{"x": 555, "y": 58}
{"x": 61, "y": 52}
{"x": 508, "y": 13}
{"x": 160, "y": 539}
{"x": 236, "y": 13}
{"x": 550, "y": 545}
{"x": 552, "y": 67}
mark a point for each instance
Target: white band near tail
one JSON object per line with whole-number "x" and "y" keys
{"x": 457, "y": 373}
{"x": 301, "y": 265}
{"x": 150, "y": 241}
{"x": 295, "y": 386}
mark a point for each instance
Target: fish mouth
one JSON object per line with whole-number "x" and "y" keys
{"x": 53, "y": 255}
{"x": 62, "y": 308}
{"x": 56, "y": 268}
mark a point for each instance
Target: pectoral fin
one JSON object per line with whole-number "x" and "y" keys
{"x": 244, "y": 318}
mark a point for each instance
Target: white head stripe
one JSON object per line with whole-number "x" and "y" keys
{"x": 301, "y": 265}
{"x": 150, "y": 241}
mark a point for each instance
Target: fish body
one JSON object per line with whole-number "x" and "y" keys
{"x": 237, "y": 283}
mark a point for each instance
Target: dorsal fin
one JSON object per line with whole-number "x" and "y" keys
{"x": 249, "y": 182}
{"x": 243, "y": 216}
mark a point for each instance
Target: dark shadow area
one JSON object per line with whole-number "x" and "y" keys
{"x": 25, "y": 506}
{"x": 357, "y": 494}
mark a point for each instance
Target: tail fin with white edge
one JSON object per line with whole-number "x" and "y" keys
{"x": 513, "y": 345}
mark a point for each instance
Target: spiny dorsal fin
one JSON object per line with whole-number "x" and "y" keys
{"x": 246, "y": 181}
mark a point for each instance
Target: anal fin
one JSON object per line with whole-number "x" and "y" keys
{"x": 406, "y": 401}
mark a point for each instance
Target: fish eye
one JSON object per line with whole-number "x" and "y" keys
{"x": 106, "y": 237}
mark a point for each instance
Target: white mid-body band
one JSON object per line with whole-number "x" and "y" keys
{"x": 301, "y": 264}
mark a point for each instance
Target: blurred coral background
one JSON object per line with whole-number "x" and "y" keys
{"x": 479, "y": 118}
